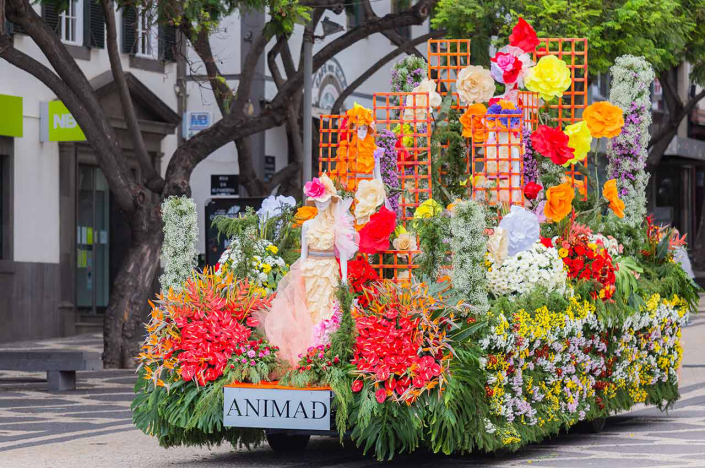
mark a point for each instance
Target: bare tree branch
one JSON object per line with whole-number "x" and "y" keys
{"x": 393, "y": 36}
{"x": 151, "y": 177}
{"x": 377, "y": 66}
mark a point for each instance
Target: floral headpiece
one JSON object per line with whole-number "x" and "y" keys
{"x": 502, "y": 107}
{"x": 320, "y": 189}
{"x": 360, "y": 115}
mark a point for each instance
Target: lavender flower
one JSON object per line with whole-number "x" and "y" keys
{"x": 387, "y": 153}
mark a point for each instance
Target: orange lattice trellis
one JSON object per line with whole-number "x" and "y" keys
{"x": 446, "y": 57}
{"x": 498, "y": 161}
{"x": 329, "y": 137}
{"x": 409, "y": 113}
{"x": 569, "y": 108}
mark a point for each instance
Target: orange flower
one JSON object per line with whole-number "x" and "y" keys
{"x": 360, "y": 115}
{"x": 303, "y": 214}
{"x": 581, "y": 185}
{"x": 604, "y": 119}
{"x": 610, "y": 192}
{"x": 472, "y": 120}
{"x": 559, "y": 201}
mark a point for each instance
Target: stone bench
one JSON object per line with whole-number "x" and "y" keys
{"x": 60, "y": 366}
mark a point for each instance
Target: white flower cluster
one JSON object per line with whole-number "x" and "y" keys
{"x": 180, "y": 234}
{"x": 627, "y": 152}
{"x": 263, "y": 265}
{"x": 540, "y": 266}
{"x": 467, "y": 227}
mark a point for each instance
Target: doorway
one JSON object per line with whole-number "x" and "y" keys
{"x": 92, "y": 241}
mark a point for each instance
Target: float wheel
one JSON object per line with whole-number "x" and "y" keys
{"x": 597, "y": 425}
{"x": 287, "y": 442}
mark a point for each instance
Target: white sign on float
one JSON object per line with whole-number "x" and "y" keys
{"x": 266, "y": 408}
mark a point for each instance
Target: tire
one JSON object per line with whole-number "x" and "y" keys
{"x": 287, "y": 442}
{"x": 596, "y": 425}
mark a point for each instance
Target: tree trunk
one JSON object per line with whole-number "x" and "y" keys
{"x": 132, "y": 288}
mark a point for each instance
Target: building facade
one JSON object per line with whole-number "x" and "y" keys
{"x": 61, "y": 237}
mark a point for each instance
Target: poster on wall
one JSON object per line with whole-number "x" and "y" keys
{"x": 231, "y": 208}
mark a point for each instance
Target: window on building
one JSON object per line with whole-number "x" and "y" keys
{"x": 147, "y": 33}
{"x": 71, "y": 23}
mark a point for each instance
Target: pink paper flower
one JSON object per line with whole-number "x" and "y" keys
{"x": 314, "y": 189}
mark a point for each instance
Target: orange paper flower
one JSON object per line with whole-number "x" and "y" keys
{"x": 604, "y": 119}
{"x": 559, "y": 201}
{"x": 472, "y": 120}
{"x": 610, "y": 192}
{"x": 303, "y": 214}
{"x": 357, "y": 155}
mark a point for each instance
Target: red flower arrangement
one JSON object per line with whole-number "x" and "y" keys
{"x": 509, "y": 65}
{"x": 374, "y": 236}
{"x": 213, "y": 317}
{"x": 589, "y": 261}
{"x": 399, "y": 347}
{"x": 523, "y": 36}
{"x": 552, "y": 143}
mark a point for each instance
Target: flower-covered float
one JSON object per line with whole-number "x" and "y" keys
{"x": 458, "y": 277}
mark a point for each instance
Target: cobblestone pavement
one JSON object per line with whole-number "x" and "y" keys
{"x": 92, "y": 427}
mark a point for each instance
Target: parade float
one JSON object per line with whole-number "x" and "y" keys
{"x": 461, "y": 275}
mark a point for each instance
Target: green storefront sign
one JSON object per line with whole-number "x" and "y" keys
{"x": 57, "y": 123}
{"x": 10, "y": 116}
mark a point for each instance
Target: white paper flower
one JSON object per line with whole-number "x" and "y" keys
{"x": 523, "y": 228}
{"x": 475, "y": 84}
{"x": 498, "y": 245}
{"x": 417, "y": 106}
{"x": 272, "y": 206}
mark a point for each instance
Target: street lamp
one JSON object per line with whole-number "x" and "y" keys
{"x": 329, "y": 27}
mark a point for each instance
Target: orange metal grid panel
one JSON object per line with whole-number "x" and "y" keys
{"x": 569, "y": 108}
{"x": 415, "y": 120}
{"x": 498, "y": 161}
{"x": 446, "y": 57}
{"x": 329, "y": 137}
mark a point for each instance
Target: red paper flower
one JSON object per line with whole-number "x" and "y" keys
{"x": 402, "y": 154}
{"x": 523, "y": 36}
{"x": 531, "y": 190}
{"x": 552, "y": 143}
{"x": 374, "y": 237}
{"x": 509, "y": 64}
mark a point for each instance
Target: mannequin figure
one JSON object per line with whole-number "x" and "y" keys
{"x": 306, "y": 294}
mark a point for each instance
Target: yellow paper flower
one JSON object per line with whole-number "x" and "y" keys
{"x": 550, "y": 78}
{"x": 370, "y": 194}
{"x": 475, "y": 84}
{"x": 399, "y": 230}
{"x": 428, "y": 209}
{"x": 579, "y": 139}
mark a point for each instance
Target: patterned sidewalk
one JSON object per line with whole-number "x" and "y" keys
{"x": 92, "y": 426}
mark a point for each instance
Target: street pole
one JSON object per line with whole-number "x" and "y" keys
{"x": 308, "y": 85}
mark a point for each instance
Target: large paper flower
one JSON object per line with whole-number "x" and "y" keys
{"x": 405, "y": 241}
{"x": 505, "y": 67}
{"x": 418, "y": 107}
{"x": 303, "y": 214}
{"x": 559, "y": 201}
{"x": 610, "y": 192}
{"x": 273, "y": 206}
{"x": 552, "y": 143}
{"x": 320, "y": 189}
{"x": 604, "y": 119}
{"x": 550, "y": 78}
{"x": 522, "y": 227}
{"x": 472, "y": 121}
{"x": 531, "y": 190}
{"x": 475, "y": 84}
{"x": 370, "y": 194}
{"x": 523, "y": 36}
{"x": 579, "y": 140}
{"x": 374, "y": 237}
{"x": 360, "y": 115}
{"x": 428, "y": 209}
